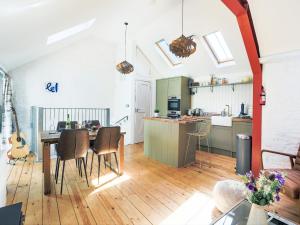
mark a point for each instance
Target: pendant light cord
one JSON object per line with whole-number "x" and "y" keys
{"x": 125, "y": 38}
{"x": 182, "y": 17}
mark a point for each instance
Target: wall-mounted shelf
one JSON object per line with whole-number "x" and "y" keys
{"x": 219, "y": 85}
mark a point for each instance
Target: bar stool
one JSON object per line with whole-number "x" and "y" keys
{"x": 202, "y": 132}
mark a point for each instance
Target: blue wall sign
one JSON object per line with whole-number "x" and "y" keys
{"x": 52, "y": 87}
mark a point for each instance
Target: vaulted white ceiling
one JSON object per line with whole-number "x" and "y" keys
{"x": 201, "y": 17}
{"x": 26, "y": 24}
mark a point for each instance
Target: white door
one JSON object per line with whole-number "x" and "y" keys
{"x": 142, "y": 108}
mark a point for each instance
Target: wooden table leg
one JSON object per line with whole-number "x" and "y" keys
{"x": 121, "y": 155}
{"x": 46, "y": 166}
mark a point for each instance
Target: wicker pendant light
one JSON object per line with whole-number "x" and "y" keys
{"x": 183, "y": 46}
{"x": 125, "y": 67}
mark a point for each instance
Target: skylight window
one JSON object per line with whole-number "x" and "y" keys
{"x": 218, "y": 47}
{"x": 70, "y": 32}
{"x": 163, "y": 46}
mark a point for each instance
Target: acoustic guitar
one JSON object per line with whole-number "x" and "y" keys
{"x": 19, "y": 147}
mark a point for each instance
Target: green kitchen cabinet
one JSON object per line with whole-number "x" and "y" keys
{"x": 240, "y": 128}
{"x": 167, "y": 142}
{"x": 221, "y": 137}
{"x": 172, "y": 87}
{"x": 162, "y": 96}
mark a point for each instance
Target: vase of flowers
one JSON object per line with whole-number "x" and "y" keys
{"x": 156, "y": 113}
{"x": 261, "y": 192}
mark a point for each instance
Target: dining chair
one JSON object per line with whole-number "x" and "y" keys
{"x": 106, "y": 143}
{"x": 73, "y": 144}
{"x": 61, "y": 125}
{"x": 74, "y": 124}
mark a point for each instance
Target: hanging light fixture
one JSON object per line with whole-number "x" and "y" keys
{"x": 183, "y": 46}
{"x": 125, "y": 67}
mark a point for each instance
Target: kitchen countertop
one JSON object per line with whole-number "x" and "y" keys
{"x": 192, "y": 119}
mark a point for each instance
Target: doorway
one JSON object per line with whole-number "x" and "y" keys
{"x": 142, "y": 108}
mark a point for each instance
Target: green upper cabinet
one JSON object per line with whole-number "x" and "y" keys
{"x": 172, "y": 87}
{"x": 162, "y": 96}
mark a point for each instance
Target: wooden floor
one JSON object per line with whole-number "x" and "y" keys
{"x": 148, "y": 193}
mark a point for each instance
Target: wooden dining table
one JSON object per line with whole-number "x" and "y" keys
{"x": 52, "y": 137}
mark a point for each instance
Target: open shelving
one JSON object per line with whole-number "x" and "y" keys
{"x": 220, "y": 85}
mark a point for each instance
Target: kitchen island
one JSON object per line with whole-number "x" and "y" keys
{"x": 165, "y": 140}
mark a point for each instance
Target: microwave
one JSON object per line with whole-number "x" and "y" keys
{"x": 174, "y": 105}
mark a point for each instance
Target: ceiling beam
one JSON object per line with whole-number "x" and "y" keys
{"x": 241, "y": 10}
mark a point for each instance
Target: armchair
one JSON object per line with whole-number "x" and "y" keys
{"x": 292, "y": 185}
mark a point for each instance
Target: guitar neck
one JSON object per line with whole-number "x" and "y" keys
{"x": 16, "y": 121}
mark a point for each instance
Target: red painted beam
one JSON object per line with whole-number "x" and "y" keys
{"x": 246, "y": 28}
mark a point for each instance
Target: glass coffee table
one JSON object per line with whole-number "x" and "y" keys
{"x": 238, "y": 215}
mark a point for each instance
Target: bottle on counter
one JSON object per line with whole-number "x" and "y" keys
{"x": 68, "y": 122}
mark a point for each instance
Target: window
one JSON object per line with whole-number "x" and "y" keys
{"x": 163, "y": 46}
{"x": 69, "y": 32}
{"x": 218, "y": 47}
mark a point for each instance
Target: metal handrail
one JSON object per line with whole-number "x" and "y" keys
{"x": 125, "y": 118}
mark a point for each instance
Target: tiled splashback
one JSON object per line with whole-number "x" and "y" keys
{"x": 215, "y": 101}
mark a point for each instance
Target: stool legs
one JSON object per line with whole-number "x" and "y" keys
{"x": 187, "y": 149}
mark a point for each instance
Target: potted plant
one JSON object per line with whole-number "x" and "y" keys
{"x": 156, "y": 113}
{"x": 261, "y": 192}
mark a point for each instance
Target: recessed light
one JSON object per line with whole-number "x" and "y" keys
{"x": 70, "y": 32}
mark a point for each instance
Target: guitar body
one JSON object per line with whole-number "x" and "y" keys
{"x": 19, "y": 147}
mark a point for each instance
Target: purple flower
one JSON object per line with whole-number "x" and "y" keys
{"x": 280, "y": 178}
{"x": 251, "y": 187}
{"x": 277, "y": 190}
{"x": 250, "y": 176}
{"x": 277, "y": 198}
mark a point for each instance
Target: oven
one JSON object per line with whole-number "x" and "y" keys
{"x": 174, "y": 106}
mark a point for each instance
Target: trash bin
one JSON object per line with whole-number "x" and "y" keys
{"x": 243, "y": 153}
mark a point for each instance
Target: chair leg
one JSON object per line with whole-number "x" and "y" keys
{"x": 58, "y": 166}
{"x": 105, "y": 160}
{"x": 62, "y": 177}
{"x": 84, "y": 166}
{"x": 187, "y": 149}
{"x": 99, "y": 162}
{"x": 86, "y": 157}
{"x": 92, "y": 163}
{"x": 56, "y": 170}
{"x": 79, "y": 167}
{"x": 115, "y": 154}
{"x": 199, "y": 143}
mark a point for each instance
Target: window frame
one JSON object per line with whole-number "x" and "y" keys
{"x": 213, "y": 52}
{"x": 157, "y": 43}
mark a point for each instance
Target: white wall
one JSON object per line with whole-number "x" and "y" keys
{"x": 85, "y": 73}
{"x": 281, "y": 114}
{"x": 215, "y": 101}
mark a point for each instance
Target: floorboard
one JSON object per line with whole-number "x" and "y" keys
{"x": 148, "y": 193}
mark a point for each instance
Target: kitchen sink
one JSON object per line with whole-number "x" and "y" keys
{"x": 225, "y": 121}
